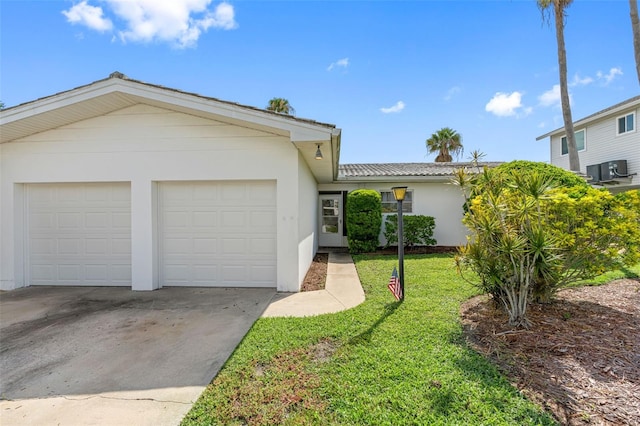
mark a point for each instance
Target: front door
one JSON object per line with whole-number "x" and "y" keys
{"x": 330, "y": 220}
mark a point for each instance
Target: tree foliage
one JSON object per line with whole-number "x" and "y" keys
{"x": 417, "y": 230}
{"x": 558, "y": 175}
{"x": 280, "y": 105}
{"x": 364, "y": 218}
{"x": 445, "y": 142}
{"x": 530, "y": 237}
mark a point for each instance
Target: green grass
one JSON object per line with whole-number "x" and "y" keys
{"x": 630, "y": 272}
{"x": 382, "y": 363}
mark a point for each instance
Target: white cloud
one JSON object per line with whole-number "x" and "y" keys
{"x": 507, "y": 104}
{"x": 343, "y": 63}
{"x": 399, "y": 106}
{"x": 551, "y": 97}
{"x": 89, "y": 16}
{"x": 608, "y": 78}
{"x": 179, "y": 22}
{"x": 578, "y": 81}
{"x": 452, "y": 92}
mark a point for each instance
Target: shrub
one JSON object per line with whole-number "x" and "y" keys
{"x": 417, "y": 230}
{"x": 528, "y": 239}
{"x": 364, "y": 217}
{"x": 557, "y": 175}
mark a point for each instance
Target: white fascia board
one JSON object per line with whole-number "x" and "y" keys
{"x": 303, "y": 131}
{"x": 50, "y": 103}
{"x": 298, "y": 131}
{"x": 592, "y": 118}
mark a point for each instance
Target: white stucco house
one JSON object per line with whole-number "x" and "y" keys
{"x": 608, "y": 146}
{"x": 125, "y": 183}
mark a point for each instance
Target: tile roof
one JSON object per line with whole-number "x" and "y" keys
{"x": 351, "y": 171}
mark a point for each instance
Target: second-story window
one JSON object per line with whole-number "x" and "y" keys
{"x": 626, "y": 123}
{"x": 579, "y": 142}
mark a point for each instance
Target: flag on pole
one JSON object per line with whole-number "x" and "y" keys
{"x": 394, "y": 284}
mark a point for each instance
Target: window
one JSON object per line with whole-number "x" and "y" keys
{"x": 390, "y": 205}
{"x": 626, "y": 123}
{"x": 579, "y": 142}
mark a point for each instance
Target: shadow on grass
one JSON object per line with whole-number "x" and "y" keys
{"x": 496, "y": 388}
{"x": 628, "y": 273}
{"x": 365, "y": 336}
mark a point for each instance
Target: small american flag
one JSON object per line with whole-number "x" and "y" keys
{"x": 394, "y": 284}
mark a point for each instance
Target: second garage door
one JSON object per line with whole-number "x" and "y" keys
{"x": 215, "y": 234}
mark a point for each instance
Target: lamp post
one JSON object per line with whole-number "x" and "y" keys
{"x": 399, "y": 193}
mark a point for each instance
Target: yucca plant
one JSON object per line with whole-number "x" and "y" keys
{"x": 530, "y": 236}
{"x": 508, "y": 248}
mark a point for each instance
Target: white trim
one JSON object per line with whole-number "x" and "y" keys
{"x": 635, "y": 126}
{"x": 584, "y": 148}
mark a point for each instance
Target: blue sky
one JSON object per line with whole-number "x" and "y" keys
{"x": 389, "y": 74}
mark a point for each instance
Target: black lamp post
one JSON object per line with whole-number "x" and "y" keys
{"x": 399, "y": 193}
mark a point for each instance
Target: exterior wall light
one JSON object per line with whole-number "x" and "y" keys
{"x": 318, "y": 153}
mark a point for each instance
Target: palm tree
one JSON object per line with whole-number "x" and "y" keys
{"x": 635, "y": 27}
{"x": 281, "y": 105}
{"x": 558, "y": 9}
{"x": 445, "y": 142}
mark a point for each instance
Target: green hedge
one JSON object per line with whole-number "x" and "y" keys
{"x": 417, "y": 230}
{"x": 364, "y": 218}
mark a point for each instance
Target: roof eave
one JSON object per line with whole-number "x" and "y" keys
{"x": 613, "y": 110}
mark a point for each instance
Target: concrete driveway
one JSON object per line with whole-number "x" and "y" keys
{"x": 111, "y": 356}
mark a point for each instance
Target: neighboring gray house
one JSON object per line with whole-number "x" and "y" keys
{"x": 608, "y": 146}
{"x": 125, "y": 183}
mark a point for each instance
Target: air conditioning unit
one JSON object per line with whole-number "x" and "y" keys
{"x": 594, "y": 171}
{"x": 610, "y": 170}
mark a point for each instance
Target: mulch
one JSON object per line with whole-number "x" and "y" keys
{"x": 317, "y": 273}
{"x": 580, "y": 359}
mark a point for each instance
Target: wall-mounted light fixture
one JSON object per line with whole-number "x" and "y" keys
{"x": 318, "y": 153}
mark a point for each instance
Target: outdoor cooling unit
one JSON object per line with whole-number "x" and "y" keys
{"x": 610, "y": 170}
{"x": 594, "y": 171}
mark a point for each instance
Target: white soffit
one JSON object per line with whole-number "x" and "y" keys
{"x": 112, "y": 94}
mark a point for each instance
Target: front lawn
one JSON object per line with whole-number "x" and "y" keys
{"x": 380, "y": 363}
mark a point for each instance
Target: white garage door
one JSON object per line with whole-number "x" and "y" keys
{"x": 215, "y": 234}
{"x": 79, "y": 234}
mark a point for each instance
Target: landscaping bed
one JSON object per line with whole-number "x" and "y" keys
{"x": 580, "y": 359}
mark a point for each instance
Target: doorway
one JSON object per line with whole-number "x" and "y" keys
{"x": 331, "y": 221}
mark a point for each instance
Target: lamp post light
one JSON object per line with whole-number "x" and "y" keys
{"x": 399, "y": 193}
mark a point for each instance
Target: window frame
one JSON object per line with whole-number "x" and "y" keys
{"x": 407, "y": 204}
{"x": 624, "y": 116}
{"x": 584, "y": 142}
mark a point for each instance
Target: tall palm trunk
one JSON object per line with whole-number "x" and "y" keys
{"x": 635, "y": 28}
{"x": 558, "y": 11}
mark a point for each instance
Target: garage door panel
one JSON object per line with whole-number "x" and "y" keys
{"x": 214, "y": 233}
{"x": 79, "y": 234}
{"x": 231, "y": 219}
{"x": 205, "y": 246}
{"x": 262, "y": 246}
{"x": 233, "y": 246}
{"x": 204, "y": 219}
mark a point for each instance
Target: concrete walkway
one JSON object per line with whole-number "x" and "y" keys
{"x": 342, "y": 291}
